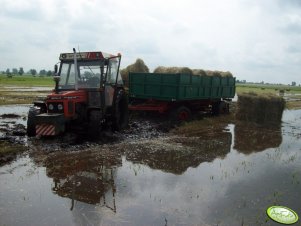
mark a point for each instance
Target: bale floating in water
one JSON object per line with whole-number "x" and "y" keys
{"x": 138, "y": 66}
{"x": 172, "y": 70}
{"x": 265, "y": 109}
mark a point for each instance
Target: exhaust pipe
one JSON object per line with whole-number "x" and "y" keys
{"x": 75, "y": 69}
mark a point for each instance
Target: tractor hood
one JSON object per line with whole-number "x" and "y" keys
{"x": 67, "y": 95}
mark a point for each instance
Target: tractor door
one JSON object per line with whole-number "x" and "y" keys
{"x": 115, "y": 96}
{"x": 113, "y": 80}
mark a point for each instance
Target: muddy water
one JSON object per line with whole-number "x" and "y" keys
{"x": 229, "y": 180}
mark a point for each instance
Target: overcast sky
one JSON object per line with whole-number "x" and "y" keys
{"x": 257, "y": 40}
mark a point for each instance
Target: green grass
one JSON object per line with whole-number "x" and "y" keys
{"x": 262, "y": 88}
{"x": 26, "y": 81}
{"x": 9, "y": 148}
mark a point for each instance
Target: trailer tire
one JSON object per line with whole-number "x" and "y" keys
{"x": 181, "y": 114}
{"x": 120, "y": 112}
{"x": 31, "y": 122}
{"x": 220, "y": 107}
{"x": 224, "y": 108}
{"x": 215, "y": 108}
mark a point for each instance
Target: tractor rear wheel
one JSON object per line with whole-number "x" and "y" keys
{"x": 94, "y": 122}
{"x": 31, "y": 121}
{"x": 120, "y": 112}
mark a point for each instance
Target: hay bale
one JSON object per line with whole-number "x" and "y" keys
{"x": 213, "y": 73}
{"x": 226, "y": 74}
{"x": 219, "y": 73}
{"x": 173, "y": 70}
{"x": 138, "y": 66}
{"x": 199, "y": 72}
{"x": 186, "y": 70}
{"x": 264, "y": 109}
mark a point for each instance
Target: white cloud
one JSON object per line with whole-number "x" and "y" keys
{"x": 256, "y": 40}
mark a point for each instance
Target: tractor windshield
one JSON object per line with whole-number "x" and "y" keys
{"x": 91, "y": 74}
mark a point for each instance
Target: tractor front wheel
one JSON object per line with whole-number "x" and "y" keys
{"x": 31, "y": 121}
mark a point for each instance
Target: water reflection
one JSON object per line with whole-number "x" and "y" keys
{"x": 251, "y": 138}
{"x": 87, "y": 178}
{"x": 172, "y": 180}
{"x": 178, "y": 154}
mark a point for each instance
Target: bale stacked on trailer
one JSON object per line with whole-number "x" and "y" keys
{"x": 219, "y": 73}
{"x": 138, "y": 66}
{"x": 199, "y": 72}
{"x": 265, "y": 109}
{"x": 172, "y": 70}
{"x": 187, "y": 70}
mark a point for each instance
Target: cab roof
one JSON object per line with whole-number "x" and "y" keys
{"x": 86, "y": 56}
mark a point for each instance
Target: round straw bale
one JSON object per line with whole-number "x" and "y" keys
{"x": 173, "y": 70}
{"x": 199, "y": 72}
{"x": 213, "y": 73}
{"x": 226, "y": 74}
{"x": 138, "y": 66}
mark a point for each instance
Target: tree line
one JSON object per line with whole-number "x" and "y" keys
{"x": 32, "y": 72}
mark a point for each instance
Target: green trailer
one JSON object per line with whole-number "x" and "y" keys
{"x": 180, "y": 94}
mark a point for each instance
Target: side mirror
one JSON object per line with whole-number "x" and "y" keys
{"x": 55, "y": 69}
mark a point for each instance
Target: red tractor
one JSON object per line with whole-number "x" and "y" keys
{"x": 88, "y": 91}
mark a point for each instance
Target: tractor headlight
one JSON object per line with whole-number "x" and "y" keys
{"x": 60, "y": 107}
{"x": 50, "y": 106}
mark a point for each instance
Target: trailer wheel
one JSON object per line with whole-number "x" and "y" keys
{"x": 224, "y": 108}
{"x": 220, "y": 107}
{"x": 31, "y": 122}
{"x": 215, "y": 108}
{"x": 120, "y": 112}
{"x": 182, "y": 114}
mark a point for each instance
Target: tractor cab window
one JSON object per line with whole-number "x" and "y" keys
{"x": 90, "y": 74}
{"x": 67, "y": 76}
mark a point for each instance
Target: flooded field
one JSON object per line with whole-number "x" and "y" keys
{"x": 147, "y": 176}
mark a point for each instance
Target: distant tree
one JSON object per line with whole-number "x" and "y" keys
{"x": 293, "y": 83}
{"x": 21, "y": 71}
{"x": 49, "y": 73}
{"x": 33, "y": 72}
{"x": 88, "y": 74}
{"x": 42, "y": 72}
{"x": 8, "y": 74}
{"x": 15, "y": 71}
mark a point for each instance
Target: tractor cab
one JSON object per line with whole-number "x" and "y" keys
{"x": 92, "y": 70}
{"x": 88, "y": 90}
